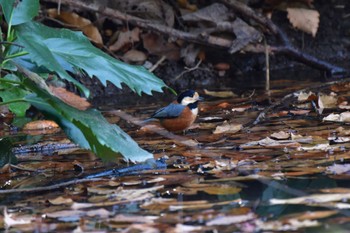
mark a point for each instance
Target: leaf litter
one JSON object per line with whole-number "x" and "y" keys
{"x": 214, "y": 183}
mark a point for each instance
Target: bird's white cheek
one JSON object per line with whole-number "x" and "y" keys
{"x": 194, "y": 111}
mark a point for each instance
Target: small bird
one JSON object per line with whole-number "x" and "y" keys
{"x": 179, "y": 115}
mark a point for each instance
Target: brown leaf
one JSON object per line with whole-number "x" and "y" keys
{"x": 228, "y": 128}
{"x": 40, "y": 124}
{"x": 135, "y": 57}
{"x": 327, "y": 101}
{"x": 230, "y": 220}
{"x": 304, "y": 19}
{"x": 70, "y": 98}
{"x": 157, "y": 45}
{"x": 220, "y": 94}
{"x": 126, "y": 38}
{"x": 280, "y": 135}
{"x": 61, "y": 201}
{"x": 79, "y": 22}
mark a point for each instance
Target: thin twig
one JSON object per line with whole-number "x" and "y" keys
{"x": 187, "y": 70}
{"x": 50, "y": 187}
{"x": 155, "y": 66}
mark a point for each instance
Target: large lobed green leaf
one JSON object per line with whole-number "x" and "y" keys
{"x": 51, "y": 47}
{"x": 21, "y": 11}
{"x": 90, "y": 129}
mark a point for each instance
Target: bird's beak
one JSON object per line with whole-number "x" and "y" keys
{"x": 200, "y": 98}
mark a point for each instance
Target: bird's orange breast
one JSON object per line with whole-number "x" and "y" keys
{"x": 179, "y": 123}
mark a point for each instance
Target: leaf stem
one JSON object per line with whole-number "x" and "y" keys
{"x": 12, "y": 101}
{"x": 2, "y": 80}
{"x": 15, "y": 55}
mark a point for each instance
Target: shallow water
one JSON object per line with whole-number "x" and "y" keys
{"x": 234, "y": 181}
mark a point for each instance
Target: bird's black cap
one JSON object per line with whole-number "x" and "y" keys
{"x": 184, "y": 94}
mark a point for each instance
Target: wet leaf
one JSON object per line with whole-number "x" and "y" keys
{"x": 306, "y": 96}
{"x": 133, "y": 218}
{"x": 66, "y": 213}
{"x": 290, "y": 225}
{"x": 314, "y": 198}
{"x": 327, "y": 101}
{"x": 311, "y": 215}
{"x": 342, "y": 117}
{"x": 281, "y": 135}
{"x": 221, "y": 94}
{"x": 61, "y": 201}
{"x": 40, "y": 124}
{"x": 221, "y": 190}
{"x": 339, "y": 168}
{"x": 11, "y": 220}
{"x": 228, "y": 220}
{"x": 227, "y": 128}
{"x": 70, "y": 98}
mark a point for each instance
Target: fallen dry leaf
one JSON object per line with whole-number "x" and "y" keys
{"x": 327, "y": 101}
{"x": 135, "y": 57}
{"x": 61, "y": 200}
{"x": 220, "y": 94}
{"x": 288, "y": 226}
{"x": 79, "y": 22}
{"x": 70, "y": 98}
{"x": 157, "y": 45}
{"x": 40, "y": 124}
{"x": 281, "y": 135}
{"x": 11, "y": 220}
{"x": 304, "y": 19}
{"x": 227, "y": 128}
{"x": 228, "y": 220}
{"x": 126, "y": 38}
{"x": 339, "y": 169}
{"x": 342, "y": 117}
{"x": 314, "y": 198}
{"x": 306, "y": 96}
{"x": 222, "y": 66}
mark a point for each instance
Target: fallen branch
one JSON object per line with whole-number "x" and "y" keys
{"x": 214, "y": 41}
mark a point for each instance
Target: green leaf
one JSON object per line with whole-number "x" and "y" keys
{"x": 6, "y": 154}
{"x": 23, "y": 11}
{"x": 48, "y": 46}
{"x": 10, "y": 92}
{"x": 90, "y": 129}
{"x": 40, "y": 54}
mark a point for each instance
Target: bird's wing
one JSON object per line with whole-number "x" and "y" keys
{"x": 170, "y": 111}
